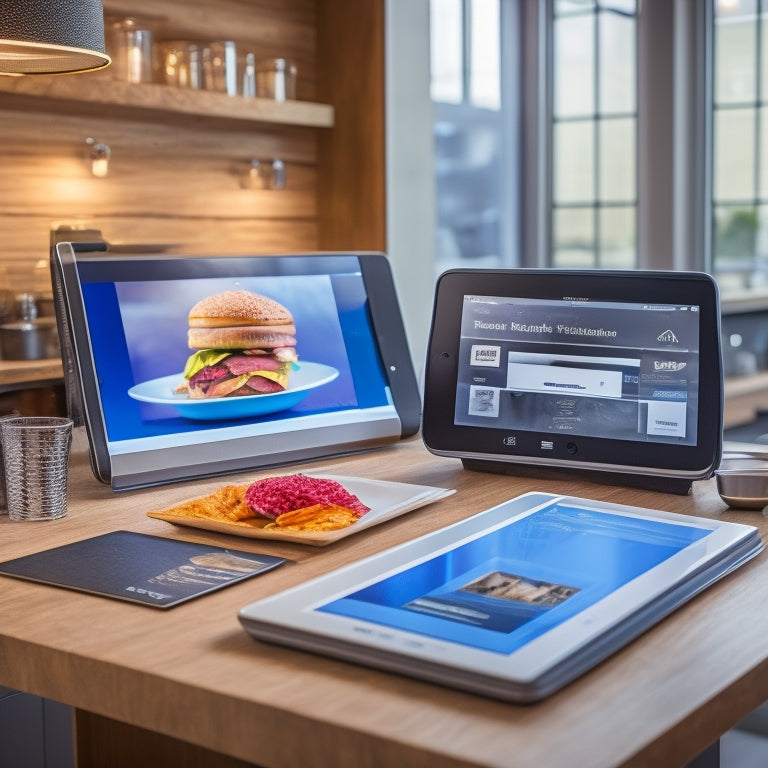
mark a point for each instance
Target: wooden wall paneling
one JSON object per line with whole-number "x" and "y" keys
{"x": 27, "y": 238}
{"x": 25, "y": 134}
{"x": 166, "y": 185}
{"x": 351, "y": 161}
{"x": 154, "y": 184}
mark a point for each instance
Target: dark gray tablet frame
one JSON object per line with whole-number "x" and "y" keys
{"x": 82, "y": 387}
{"x": 653, "y": 465}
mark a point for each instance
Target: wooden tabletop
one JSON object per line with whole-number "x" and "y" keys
{"x": 192, "y": 673}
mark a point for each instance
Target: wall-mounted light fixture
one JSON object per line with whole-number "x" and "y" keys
{"x": 98, "y": 157}
{"x": 264, "y": 174}
{"x": 44, "y": 37}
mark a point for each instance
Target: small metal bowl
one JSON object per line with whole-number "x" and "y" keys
{"x": 742, "y": 482}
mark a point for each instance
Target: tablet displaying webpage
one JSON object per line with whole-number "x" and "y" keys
{"x": 613, "y": 369}
{"x": 168, "y": 394}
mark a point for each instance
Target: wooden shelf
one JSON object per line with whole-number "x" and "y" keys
{"x": 85, "y": 94}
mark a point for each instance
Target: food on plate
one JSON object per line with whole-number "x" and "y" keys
{"x": 245, "y": 345}
{"x": 274, "y": 496}
{"x": 318, "y": 517}
{"x": 227, "y": 504}
{"x": 285, "y": 502}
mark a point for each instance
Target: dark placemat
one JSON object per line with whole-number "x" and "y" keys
{"x": 151, "y": 570}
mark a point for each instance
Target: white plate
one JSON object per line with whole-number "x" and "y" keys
{"x": 303, "y": 380}
{"x": 386, "y": 499}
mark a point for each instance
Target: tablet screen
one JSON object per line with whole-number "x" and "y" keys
{"x": 609, "y": 371}
{"x": 500, "y": 591}
{"x": 172, "y": 389}
{"x": 621, "y": 370}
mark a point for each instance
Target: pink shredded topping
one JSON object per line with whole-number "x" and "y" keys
{"x": 273, "y": 496}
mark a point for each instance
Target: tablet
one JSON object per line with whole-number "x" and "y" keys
{"x": 124, "y": 323}
{"x": 513, "y": 602}
{"x": 617, "y": 373}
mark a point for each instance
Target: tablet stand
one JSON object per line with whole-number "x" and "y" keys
{"x": 678, "y": 485}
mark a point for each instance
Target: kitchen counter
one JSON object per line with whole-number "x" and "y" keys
{"x": 16, "y": 374}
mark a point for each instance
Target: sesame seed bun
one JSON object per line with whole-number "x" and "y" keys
{"x": 239, "y": 308}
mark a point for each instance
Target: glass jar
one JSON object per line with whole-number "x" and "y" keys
{"x": 219, "y": 67}
{"x": 131, "y": 51}
{"x": 276, "y": 79}
{"x": 178, "y": 63}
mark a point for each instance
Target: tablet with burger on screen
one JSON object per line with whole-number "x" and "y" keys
{"x": 183, "y": 367}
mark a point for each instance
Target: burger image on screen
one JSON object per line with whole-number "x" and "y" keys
{"x": 245, "y": 345}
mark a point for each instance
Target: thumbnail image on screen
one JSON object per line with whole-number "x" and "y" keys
{"x": 619, "y": 370}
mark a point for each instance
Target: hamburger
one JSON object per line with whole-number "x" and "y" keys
{"x": 245, "y": 345}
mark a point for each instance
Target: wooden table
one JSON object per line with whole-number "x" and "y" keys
{"x": 137, "y": 675}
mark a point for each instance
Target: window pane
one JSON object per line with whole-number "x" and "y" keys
{"x": 573, "y": 238}
{"x": 624, "y": 6}
{"x": 762, "y": 171}
{"x": 735, "y": 237}
{"x": 574, "y": 66}
{"x": 764, "y": 55}
{"x": 617, "y": 238}
{"x": 573, "y": 6}
{"x": 734, "y": 161}
{"x": 574, "y": 153}
{"x": 759, "y": 276}
{"x": 617, "y": 63}
{"x": 484, "y": 86}
{"x": 735, "y": 54}
{"x": 446, "y": 50}
{"x": 617, "y": 160}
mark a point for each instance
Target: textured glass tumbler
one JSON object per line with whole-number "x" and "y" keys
{"x": 36, "y": 460}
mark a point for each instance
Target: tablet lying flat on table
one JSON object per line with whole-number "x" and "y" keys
{"x": 612, "y": 372}
{"x": 513, "y": 602}
{"x": 123, "y": 320}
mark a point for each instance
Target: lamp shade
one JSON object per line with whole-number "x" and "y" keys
{"x": 51, "y": 37}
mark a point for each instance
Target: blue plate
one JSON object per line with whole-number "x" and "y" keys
{"x": 303, "y": 380}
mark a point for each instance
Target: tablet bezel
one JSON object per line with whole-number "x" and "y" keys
{"x": 162, "y": 466}
{"x": 486, "y": 447}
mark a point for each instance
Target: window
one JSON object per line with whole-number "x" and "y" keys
{"x": 740, "y": 144}
{"x": 580, "y": 138}
{"x": 593, "y": 134}
{"x": 468, "y": 132}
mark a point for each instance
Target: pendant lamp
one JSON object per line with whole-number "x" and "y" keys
{"x": 44, "y": 37}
